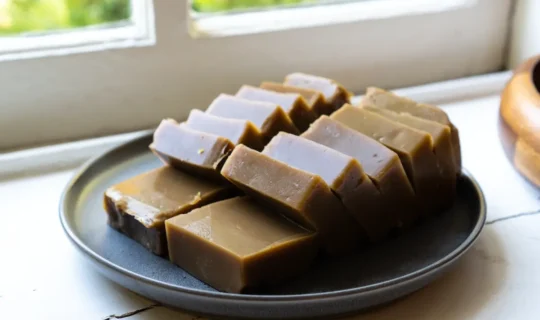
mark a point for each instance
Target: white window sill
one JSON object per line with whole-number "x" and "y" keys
{"x": 232, "y": 24}
{"x": 68, "y": 155}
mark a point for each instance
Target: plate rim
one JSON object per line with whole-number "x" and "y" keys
{"x": 97, "y": 258}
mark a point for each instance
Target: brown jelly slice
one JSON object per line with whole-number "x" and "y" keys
{"x": 334, "y": 93}
{"x": 139, "y": 206}
{"x": 442, "y": 146}
{"x": 342, "y": 173}
{"x": 269, "y": 117}
{"x": 414, "y": 148}
{"x": 236, "y": 130}
{"x": 315, "y": 100}
{"x": 294, "y": 104}
{"x": 238, "y": 245}
{"x": 388, "y": 100}
{"x": 302, "y": 196}
{"x": 190, "y": 150}
{"x": 381, "y": 164}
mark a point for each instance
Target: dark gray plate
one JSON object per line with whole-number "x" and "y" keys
{"x": 370, "y": 277}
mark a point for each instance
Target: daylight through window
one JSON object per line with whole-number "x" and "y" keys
{"x": 19, "y": 17}
{"x": 213, "y": 6}
{"x": 23, "y": 16}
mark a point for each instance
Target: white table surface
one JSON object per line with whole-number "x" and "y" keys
{"x": 42, "y": 276}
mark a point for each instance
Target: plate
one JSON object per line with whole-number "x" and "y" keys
{"x": 372, "y": 276}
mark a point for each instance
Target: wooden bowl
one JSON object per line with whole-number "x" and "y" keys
{"x": 520, "y": 119}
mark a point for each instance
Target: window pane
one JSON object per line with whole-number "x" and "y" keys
{"x": 208, "y": 6}
{"x": 22, "y": 16}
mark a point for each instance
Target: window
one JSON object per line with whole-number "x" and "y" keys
{"x": 206, "y": 6}
{"x": 22, "y": 16}
{"x": 33, "y": 28}
{"x": 212, "y": 18}
{"x": 172, "y": 56}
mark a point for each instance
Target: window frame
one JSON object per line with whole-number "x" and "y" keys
{"x": 137, "y": 31}
{"x": 90, "y": 93}
{"x": 308, "y": 16}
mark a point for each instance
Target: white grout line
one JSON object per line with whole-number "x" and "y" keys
{"x": 72, "y": 154}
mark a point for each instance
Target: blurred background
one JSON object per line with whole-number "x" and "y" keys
{"x": 22, "y": 16}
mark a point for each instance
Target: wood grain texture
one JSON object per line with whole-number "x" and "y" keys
{"x": 520, "y": 117}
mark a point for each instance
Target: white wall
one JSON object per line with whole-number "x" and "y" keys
{"x": 525, "y": 41}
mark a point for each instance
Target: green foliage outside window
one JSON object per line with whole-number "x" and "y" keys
{"x": 226, "y": 5}
{"x": 20, "y": 16}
